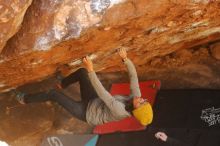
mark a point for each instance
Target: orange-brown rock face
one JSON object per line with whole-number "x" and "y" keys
{"x": 55, "y": 33}
{"x": 11, "y": 17}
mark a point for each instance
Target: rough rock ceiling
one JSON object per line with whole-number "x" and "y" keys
{"x": 11, "y": 17}
{"x": 58, "y": 33}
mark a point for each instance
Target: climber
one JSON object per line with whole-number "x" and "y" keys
{"x": 97, "y": 106}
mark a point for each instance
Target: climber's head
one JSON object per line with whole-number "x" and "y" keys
{"x": 142, "y": 111}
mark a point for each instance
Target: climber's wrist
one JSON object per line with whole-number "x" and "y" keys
{"x": 124, "y": 59}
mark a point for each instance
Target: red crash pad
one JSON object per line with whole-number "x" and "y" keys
{"x": 148, "y": 90}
